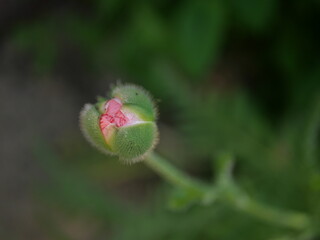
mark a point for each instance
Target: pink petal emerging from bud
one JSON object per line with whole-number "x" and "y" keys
{"x": 113, "y": 116}
{"x": 113, "y": 106}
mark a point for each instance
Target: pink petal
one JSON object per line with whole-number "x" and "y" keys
{"x": 113, "y": 106}
{"x": 113, "y": 115}
{"x": 120, "y": 119}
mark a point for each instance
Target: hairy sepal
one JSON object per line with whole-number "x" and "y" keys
{"x": 131, "y": 143}
{"x": 89, "y": 124}
{"x": 132, "y": 95}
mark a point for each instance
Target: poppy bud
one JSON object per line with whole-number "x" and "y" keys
{"x": 124, "y": 125}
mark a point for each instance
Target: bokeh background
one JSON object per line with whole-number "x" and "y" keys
{"x": 236, "y": 76}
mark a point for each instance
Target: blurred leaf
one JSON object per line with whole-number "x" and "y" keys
{"x": 148, "y": 28}
{"x": 198, "y": 32}
{"x": 145, "y": 34}
{"x": 107, "y": 9}
{"x": 288, "y": 51}
{"x": 215, "y": 222}
{"x": 311, "y": 132}
{"x": 182, "y": 199}
{"x": 218, "y": 123}
{"x": 255, "y": 15}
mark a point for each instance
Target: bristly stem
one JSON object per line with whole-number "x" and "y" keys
{"x": 227, "y": 191}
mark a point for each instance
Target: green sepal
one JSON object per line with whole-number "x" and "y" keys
{"x": 133, "y": 95}
{"x": 131, "y": 143}
{"x": 100, "y": 105}
{"x": 138, "y": 111}
{"x": 89, "y": 124}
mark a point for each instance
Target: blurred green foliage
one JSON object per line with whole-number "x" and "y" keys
{"x": 232, "y": 76}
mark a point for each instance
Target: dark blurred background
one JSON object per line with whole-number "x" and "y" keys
{"x": 236, "y": 76}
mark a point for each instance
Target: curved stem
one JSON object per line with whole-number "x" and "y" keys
{"x": 172, "y": 174}
{"x": 242, "y": 202}
{"x": 228, "y": 192}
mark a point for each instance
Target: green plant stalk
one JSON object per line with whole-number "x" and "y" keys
{"x": 228, "y": 192}
{"x": 235, "y": 197}
{"x": 174, "y": 175}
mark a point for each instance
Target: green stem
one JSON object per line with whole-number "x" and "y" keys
{"x": 241, "y": 201}
{"x": 229, "y": 193}
{"x": 172, "y": 174}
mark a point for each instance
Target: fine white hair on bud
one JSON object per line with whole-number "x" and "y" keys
{"x": 124, "y": 125}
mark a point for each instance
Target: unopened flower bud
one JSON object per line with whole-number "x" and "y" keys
{"x": 124, "y": 125}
